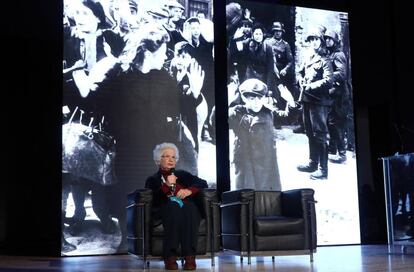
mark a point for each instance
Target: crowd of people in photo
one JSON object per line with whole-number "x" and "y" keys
{"x": 304, "y": 83}
{"x": 143, "y": 72}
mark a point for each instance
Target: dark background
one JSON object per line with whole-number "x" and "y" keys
{"x": 30, "y": 186}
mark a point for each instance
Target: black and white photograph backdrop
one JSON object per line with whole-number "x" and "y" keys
{"x": 136, "y": 73}
{"x": 290, "y": 108}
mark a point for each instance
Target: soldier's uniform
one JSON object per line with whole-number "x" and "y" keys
{"x": 338, "y": 94}
{"x": 317, "y": 76}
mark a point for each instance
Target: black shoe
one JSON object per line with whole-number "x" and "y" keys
{"x": 319, "y": 174}
{"x": 307, "y": 168}
{"x": 205, "y": 136}
{"x": 76, "y": 228}
{"x": 410, "y": 232}
{"x": 298, "y": 129}
{"x": 66, "y": 246}
{"x": 108, "y": 226}
{"x": 338, "y": 159}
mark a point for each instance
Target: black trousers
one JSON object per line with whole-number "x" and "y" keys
{"x": 336, "y": 127}
{"x": 180, "y": 228}
{"x": 315, "y": 119}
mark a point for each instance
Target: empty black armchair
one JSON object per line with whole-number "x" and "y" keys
{"x": 145, "y": 233}
{"x": 269, "y": 223}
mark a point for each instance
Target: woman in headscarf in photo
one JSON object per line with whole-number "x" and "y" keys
{"x": 258, "y": 58}
{"x": 141, "y": 103}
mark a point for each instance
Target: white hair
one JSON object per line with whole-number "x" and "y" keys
{"x": 159, "y": 149}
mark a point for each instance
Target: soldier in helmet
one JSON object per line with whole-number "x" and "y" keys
{"x": 282, "y": 54}
{"x": 251, "y": 119}
{"x": 283, "y": 63}
{"x": 338, "y": 94}
{"x": 315, "y": 77}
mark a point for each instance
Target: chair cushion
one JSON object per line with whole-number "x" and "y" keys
{"x": 158, "y": 228}
{"x": 277, "y": 225}
{"x": 281, "y": 242}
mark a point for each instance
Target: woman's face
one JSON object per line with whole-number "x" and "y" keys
{"x": 156, "y": 59}
{"x": 168, "y": 159}
{"x": 258, "y": 35}
{"x": 195, "y": 30}
{"x": 85, "y": 20}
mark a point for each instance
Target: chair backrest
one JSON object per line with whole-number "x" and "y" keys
{"x": 267, "y": 203}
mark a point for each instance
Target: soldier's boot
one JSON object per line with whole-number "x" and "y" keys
{"x": 322, "y": 172}
{"x": 312, "y": 165}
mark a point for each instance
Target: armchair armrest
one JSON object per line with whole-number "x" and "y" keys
{"x": 236, "y": 224}
{"x": 139, "y": 220}
{"x": 300, "y": 203}
{"x": 211, "y": 212}
{"x": 140, "y": 196}
{"x": 295, "y": 203}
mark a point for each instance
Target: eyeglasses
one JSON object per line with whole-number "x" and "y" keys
{"x": 167, "y": 157}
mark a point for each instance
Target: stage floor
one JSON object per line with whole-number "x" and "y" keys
{"x": 352, "y": 258}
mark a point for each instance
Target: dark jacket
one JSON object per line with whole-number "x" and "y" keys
{"x": 255, "y": 160}
{"x": 317, "y": 72}
{"x": 339, "y": 92}
{"x": 184, "y": 178}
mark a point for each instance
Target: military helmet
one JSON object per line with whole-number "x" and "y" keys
{"x": 333, "y": 35}
{"x": 315, "y": 32}
{"x": 278, "y": 26}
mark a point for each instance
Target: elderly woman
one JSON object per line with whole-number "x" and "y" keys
{"x": 174, "y": 194}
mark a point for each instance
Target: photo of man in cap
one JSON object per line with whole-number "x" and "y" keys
{"x": 177, "y": 18}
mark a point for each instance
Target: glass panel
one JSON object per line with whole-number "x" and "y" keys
{"x": 399, "y": 188}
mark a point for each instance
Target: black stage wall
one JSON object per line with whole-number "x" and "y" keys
{"x": 31, "y": 114}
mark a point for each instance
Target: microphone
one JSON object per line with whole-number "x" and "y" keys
{"x": 172, "y": 186}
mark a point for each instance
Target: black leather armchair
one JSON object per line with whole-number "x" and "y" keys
{"x": 269, "y": 223}
{"x": 145, "y": 234}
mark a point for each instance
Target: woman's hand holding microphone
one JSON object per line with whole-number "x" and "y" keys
{"x": 172, "y": 182}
